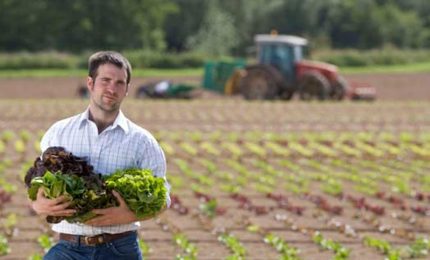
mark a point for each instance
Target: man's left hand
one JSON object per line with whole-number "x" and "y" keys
{"x": 113, "y": 215}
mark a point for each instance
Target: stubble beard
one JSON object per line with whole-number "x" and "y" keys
{"x": 107, "y": 108}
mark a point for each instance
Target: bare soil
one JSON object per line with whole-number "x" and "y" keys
{"x": 388, "y": 86}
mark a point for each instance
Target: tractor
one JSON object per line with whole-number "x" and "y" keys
{"x": 280, "y": 72}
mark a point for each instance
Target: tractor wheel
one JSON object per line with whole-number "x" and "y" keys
{"x": 232, "y": 85}
{"x": 261, "y": 82}
{"x": 313, "y": 85}
{"x": 287, "y": 94}
{"x": 339, "y": 88}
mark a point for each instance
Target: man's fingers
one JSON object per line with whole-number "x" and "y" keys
{"x": 60, "y": 206}
{"x": 94, "y": 220}
{"x": 60, "y": 199}
{"x": 102, "y": 211}
{"x": 66, "y": 212}
{"x": 40, "y": 193}
{"x": 119, "y": 198}
{"x": 99, "y": 221}
{"x": 57, "y": 201}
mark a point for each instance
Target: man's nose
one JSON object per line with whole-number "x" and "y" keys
{"x": 111, "y": 88}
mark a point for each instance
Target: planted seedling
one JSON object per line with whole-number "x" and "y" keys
{"x": 187, "y": 247}
{"x": 287, "y": 252}
{"x": 144, "y": 247}
{"x": 4, "y": 246}
{"x": 341, "y": 252}
{"x": 234, "y": 245}
{"x": 45, "y": 241}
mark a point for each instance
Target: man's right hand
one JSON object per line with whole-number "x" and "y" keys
{"x": 51, "y": 207}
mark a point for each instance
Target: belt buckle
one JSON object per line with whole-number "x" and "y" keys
{"x": 97, "y": 240}
{"x": 87, "y": 240}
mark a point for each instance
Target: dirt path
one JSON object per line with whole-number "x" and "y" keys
{"x": 398, "y": 86}
{"x": 388, "y": 86}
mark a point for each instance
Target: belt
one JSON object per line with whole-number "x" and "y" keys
{"x": 94, "y": 240}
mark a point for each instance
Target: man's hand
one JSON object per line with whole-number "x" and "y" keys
{"x": 113, "y": 215}
{"x": 51, "y": 207}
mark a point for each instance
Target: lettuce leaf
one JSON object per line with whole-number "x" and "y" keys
{"x": 75, "y": 189}
{"x": 144, "y": 193}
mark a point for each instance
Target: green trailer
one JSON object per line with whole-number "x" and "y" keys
{"x": 216, "y": 74}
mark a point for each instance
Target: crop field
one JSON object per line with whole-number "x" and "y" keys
{"x": 254, "y": 180}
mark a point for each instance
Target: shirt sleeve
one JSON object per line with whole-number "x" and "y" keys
{"x": 47, "y": 139}
{"x": 153, "y": 158}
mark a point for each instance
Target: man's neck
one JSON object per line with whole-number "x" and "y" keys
{"x": 102, "y": 119}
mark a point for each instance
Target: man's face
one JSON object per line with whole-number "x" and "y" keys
{"x": 109, "y": 88}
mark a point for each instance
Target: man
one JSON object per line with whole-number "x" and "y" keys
{"x": 109, "y": 141}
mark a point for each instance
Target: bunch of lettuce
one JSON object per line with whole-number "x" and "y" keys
{"x": 74, "y": 188}
{"x": 144, "y": 193}
{"x": 57, "y": 159}
{"x": 58, "y": 173}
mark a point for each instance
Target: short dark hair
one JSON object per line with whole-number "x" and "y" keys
{"x": 104, "y": 57}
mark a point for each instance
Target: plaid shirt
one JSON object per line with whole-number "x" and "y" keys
{"x": 121, "y": 145}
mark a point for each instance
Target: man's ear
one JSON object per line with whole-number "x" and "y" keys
{"x": 126, "y": 90}
{"x": 90, "y": 83}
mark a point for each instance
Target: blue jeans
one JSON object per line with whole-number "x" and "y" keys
{"x": 126, "y": 248}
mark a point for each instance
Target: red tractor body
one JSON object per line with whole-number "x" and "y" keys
{"x": 329, "y": 71}
{"x": 282, "y": 71}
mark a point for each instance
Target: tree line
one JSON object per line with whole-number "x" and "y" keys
{"x": 214, "y": 27}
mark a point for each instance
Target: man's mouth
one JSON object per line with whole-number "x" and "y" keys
{"x": 109, "y": 98}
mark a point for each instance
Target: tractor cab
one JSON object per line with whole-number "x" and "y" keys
{"x": 281, "y": 52}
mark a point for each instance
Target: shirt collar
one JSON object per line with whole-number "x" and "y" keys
{"x": 84, "y": 117}
{"x": 120, "y": 120}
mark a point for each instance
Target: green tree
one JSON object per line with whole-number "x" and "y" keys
{"x": 149, "y": 16}
{"x": 250, "y": 18}
{"x": 217, "y": 34}
{"x": 20, "y": 25}
{"x": 354, "y": 24}
{"x": 400, "y": 28}
{"x": 83, "y": 25}
{"x": 217, "y": 27}
{"x": 185, "y": 22}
